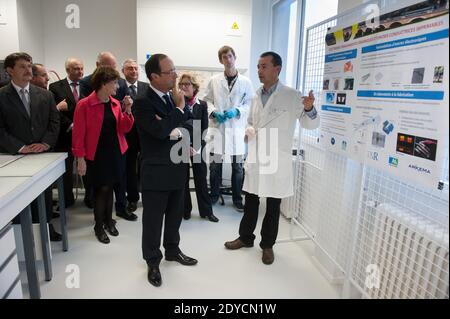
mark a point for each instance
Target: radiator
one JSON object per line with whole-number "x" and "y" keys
{"x": 412, "y": 256}
{"x": 288, "y": 205}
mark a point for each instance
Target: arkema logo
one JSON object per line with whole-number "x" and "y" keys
{"x": 420, "y": 169}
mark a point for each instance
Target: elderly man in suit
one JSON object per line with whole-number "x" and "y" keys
{"x": 158, "y": 117}
{"x": 67, "y": 93}
{"x": 130, "y": 70}
{"x": 29, "y": 121}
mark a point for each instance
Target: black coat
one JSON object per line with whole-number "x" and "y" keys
{"x": 61, "y": 90}
{"x": 132, "y": 136}
{"x": 159, "y": 172}
{"x": 17, "y": 129}
{"x": 199, "y": 113}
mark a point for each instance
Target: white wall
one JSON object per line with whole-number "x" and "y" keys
{"x": 9, "y": 39}
{"x": 344, "y": 5}
{"x": 31, "y": 28}
{"x": 191, "y": 32}
{"x": 260, "y": 36}
{"x": 105, "y": 25}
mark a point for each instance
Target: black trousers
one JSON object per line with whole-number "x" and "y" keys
{"x": 199, "y": 171}
{"x": 269, "y": 230}
{"x": 159, "y": 206}
{"x": 237, "y": 176}
{"x": 120, "y": 188}
{"x": 132, "y": 173}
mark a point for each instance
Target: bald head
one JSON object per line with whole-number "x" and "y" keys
{"x": 107, "y": 59}
{"x": 74, "y": 69}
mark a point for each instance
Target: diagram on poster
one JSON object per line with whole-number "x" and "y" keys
{"x": 386, "y": 92}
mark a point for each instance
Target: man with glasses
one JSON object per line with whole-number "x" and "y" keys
{"x": 159, "y": 114}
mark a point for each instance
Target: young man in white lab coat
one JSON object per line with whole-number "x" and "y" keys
{"x": 268, "y": 167}
{"x": 229, "y": 96}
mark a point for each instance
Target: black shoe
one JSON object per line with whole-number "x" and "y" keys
{"x": 101, "y": 235}
{"x": 212, "y": 218}
{"x": 54, "y": 236}
{"x": 131, "y": 207}
{"x": 89, "y": 203}
{"x": 111, "y": 229}
{"x": 126, "y": 215}
{"x": 182, "y": 259}
{"x": 154, "y": 276}
{"x": 187, "y": 216}
{"x": 239, "y": 207}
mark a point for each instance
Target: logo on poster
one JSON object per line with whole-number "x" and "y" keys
{"x": 419, "y": 169}
{"x": 374, "y": 156}
{"x": 393, "y": 161}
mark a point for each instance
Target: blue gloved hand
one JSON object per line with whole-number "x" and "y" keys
{"x": 219, "y": 117}
{"x": 231, "y": 113}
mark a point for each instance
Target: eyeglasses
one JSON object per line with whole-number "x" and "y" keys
{"x": 170, "y": 72}
{"x": 185, "y": 84}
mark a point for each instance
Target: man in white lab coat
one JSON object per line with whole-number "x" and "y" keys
{"x": 229, "y": 96}
{"x": 268, "y": 167}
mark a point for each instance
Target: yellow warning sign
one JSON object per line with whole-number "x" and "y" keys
{"x": 235, "y": 26}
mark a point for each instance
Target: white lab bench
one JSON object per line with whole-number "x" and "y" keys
{"x": 22, "y": 180}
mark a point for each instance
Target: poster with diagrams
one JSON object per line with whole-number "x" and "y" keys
{"x": 386, "y": 92}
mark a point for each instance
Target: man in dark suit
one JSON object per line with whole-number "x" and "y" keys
{"x": 29, "y": 121}
{"x": 108, "y": 59}
{"x": 130, "y": 70}
{"x": 163, "y": 176}
{"x": 67, "y": 93}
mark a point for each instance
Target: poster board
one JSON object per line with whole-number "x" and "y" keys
{"x": 386, "y": 92}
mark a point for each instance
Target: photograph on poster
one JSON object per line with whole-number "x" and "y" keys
{"x": 348, "y": 67}
{"x": 341, "y": 99}
{"x": 410, "y": 15}
{"x": 330, "y": 97}
{"x": 336, "y": 84}
{"x": 365, "y": 77}
{"x": 417, "y": 146}
{"x": 349, "y": 83}
{"x": 418, "y": 75}
{"x": 438, "y": 74}
{"x": 378, "y": 139}
{"x": 326, "y": 84}
{"x": 425, "y": 148}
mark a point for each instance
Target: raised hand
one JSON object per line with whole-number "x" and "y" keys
{"x": 308, "y": 101}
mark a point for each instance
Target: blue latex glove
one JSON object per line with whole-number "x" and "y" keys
{"x": 231, "y": 113}
{"x": 220, "y": 117}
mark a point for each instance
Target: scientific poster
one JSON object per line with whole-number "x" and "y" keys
{"x": 386, "y": 92}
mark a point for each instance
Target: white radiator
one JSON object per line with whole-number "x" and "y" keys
{"x": 411, "y": 254}
{"x": 288, "y": 208}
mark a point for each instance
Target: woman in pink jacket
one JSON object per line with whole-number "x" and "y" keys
{"x": 99, "y": 144}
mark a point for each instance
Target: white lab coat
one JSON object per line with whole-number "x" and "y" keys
{"x": 268, "y": 167}
{"x": 228, "y": 138}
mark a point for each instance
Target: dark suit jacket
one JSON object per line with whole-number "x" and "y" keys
{"x": 199, "y": 113}
{"x": 17, "y": 129}
{"x": 86, "y": 88}
{"x": 61, "y": 90}
{"x": 158, "y": 172}
{"x": 133, "y": 136}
